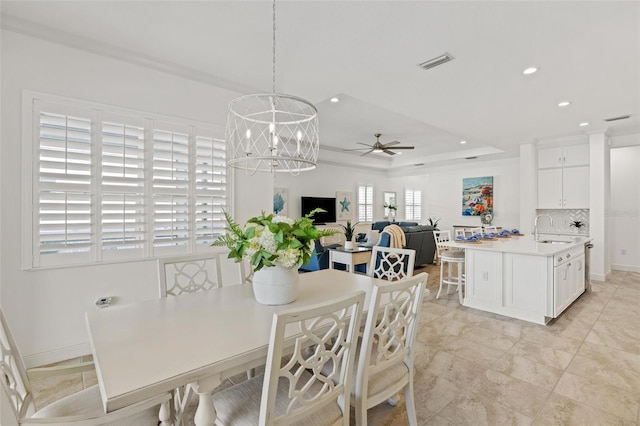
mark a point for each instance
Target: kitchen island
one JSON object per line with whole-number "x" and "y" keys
{"x": 522, "y": 278}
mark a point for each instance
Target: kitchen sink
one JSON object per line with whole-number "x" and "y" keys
{"x": 554, "y": 242}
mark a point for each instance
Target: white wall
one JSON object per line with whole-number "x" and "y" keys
{"x": 624, "y": 215}
{"x": 441, "y": 190}
{"x": 46, "y": 308}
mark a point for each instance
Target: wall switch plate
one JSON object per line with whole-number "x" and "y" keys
{"x": 104, "y": 302}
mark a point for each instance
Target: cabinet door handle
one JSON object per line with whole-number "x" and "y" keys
{"x": 563, "y": 159}
{"x": 560, "y": 160}
{"x": 568, "y": 255}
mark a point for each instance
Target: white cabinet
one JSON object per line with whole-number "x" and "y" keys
{"x": 563, "y": 177}
{"x": 563, "y": 188}
{"x": 563, "y": 156}
{"x": 569, "y": 279}
{"x": 483, "y": 279}
{"x": 525, "y": 284}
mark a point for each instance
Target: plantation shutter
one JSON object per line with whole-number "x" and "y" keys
{"x": 108, "y": 184}
{"x": 365, "y": 203}
{"x": 170, "y": 187}
{"x": 63, "y": 184}
{"x": 413, "y": 204}
{"x": 123, "y": 182}
{"x": 210, "y": 188}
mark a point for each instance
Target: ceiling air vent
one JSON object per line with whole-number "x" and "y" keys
{"x": 622, "y": 117}
{"x": 446, "y": 57}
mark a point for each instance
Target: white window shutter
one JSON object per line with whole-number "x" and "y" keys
{"x": 210, "y": 188}
{"x": 64, "y": 185}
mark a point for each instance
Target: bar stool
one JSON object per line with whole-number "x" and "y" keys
{"x": 451, "y": 257}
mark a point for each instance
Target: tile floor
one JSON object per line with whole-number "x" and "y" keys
{"x": 475, "y": 368}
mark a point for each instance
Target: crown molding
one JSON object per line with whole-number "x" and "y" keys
{"x": 36, "y": 30}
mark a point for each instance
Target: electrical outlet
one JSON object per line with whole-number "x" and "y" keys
{"x": 104, "y": 302}
{"x": 623, "y": 252}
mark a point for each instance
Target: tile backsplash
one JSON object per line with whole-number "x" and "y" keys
{"x": 561, "y": 221}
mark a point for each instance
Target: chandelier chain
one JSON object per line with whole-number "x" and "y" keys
{"x": 273, "y": 89}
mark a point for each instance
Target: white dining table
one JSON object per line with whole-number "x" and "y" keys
{"x": 147, "y": 348}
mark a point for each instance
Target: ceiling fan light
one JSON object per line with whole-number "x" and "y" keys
{"x": 377, "y": 150}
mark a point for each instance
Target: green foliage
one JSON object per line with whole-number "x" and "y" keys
{"x": 576, "y": 224}
{"x": 349, "y": 230}
{"x": 268, "y": 239}
{"x": 391, "y": 207}
{"x": 434, "y": 222}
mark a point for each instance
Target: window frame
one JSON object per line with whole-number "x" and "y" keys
{"x": 366, "y": 205}
{"x": 32, "y": 103}
{"x": 412, "y": 205}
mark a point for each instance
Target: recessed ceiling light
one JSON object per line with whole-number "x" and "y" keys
{"x": 463, "y": 142}
{"x": 530, "y": 70}
{"x": 584, "y": 124}
{"x": 564, "y": 103}
{"x": 334, "y": 99}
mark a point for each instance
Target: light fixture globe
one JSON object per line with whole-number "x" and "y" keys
{"x": 272, "y": 132}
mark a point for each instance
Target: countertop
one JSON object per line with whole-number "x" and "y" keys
{"x": 524, "y": 245}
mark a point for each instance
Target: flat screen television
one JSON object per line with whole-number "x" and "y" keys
{"x": 328, "y": 204}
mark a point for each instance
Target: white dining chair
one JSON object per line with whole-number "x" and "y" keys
{"x": 473, "y": 231}
{"x": 188, "y": 274}
{"x": 391, "y": 263}
{"x": 459, "y": 232}
{"x": 82, "y": 408}
{"x": 386, "y": 354}
{"x": 297, "y": 391}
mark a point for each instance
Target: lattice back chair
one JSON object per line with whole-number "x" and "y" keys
{"x": 441, "y": 237}
{"x": 385, "y": 363}
{"x": 188, "y": 274}
{"x": 299, "y": 390}
{"x": 391, "y": 263}
{"x": 459, "y": 232}
{"x": 81, "y": 408}
{"x": 473, "y": 231}
{"x": 490, "y": 229}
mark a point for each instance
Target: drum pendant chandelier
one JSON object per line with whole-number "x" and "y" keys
{"x": 272, "y": 132}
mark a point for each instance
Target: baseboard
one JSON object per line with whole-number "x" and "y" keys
{"x": 56, "y": 355}
{"x": 598, "y": 277}
{"x": 626, "y": 268}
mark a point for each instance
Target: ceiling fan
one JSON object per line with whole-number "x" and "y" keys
{"x": 380, "y": 147}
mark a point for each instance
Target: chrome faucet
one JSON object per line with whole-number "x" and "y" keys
{"x": 535, "y": 225}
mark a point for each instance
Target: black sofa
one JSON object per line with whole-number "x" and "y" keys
{"x": 419, "y": 238}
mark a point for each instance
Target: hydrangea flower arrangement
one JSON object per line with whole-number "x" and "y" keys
{"x": 272, "y": 240}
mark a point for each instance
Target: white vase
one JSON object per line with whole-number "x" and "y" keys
{"x": 348, "y": 245}
{"x": 275, "y": 285}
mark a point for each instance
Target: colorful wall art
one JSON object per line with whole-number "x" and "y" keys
{"x": 477, "y": 196}
{"x": 280, "y": 201}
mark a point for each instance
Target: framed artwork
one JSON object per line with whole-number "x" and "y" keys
{"x": 345, "y": 207}
{"x": 477, "y": 196}
{"x": 280, "y": 201}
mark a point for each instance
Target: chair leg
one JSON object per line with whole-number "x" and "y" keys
{"x": 410, "y": 403}
{"x": 393, "y": 401}
{"x": 460, "y": 282}
{"x": 450, "y": 273}
{"x": 441, "y": 278}
{"x": 361, "y": 413}
{"x": 165, "y": 415}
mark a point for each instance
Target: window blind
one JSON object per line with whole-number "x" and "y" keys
{"x": 413, "y": 204}
{"x": 365, "y": 203}
{"x": 111, "y": 185}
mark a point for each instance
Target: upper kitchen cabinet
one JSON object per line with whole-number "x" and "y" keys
{"x": 563, "y": 156}
{"x": 563, "y": 177}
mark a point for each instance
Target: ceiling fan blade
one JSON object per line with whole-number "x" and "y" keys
{"x": 403, "y": 147}
{"x": 356, "y": 149}
{"x": 368, "y": 152}
{"x": 386, "y": 151}
{"x": 391, "y": 143}
{"x": 365, "y": 144}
